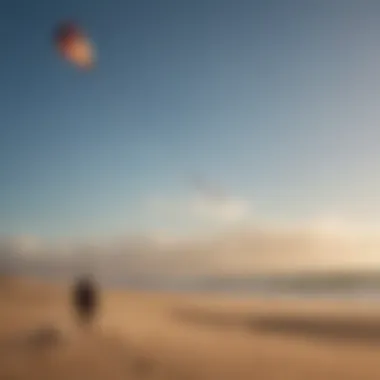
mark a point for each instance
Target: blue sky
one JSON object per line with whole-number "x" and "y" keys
{"x": 275, "y": 101}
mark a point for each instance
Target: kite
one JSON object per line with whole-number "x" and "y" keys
{"x": 74, "y": 46}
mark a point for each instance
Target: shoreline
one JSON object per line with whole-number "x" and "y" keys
{"x": 325, "y": 297}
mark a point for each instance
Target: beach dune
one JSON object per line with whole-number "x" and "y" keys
{"x": 173, "y": 336}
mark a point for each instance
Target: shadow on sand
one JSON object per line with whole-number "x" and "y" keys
{"x": 338, "y": 329}
{"x": 87, "y": 354}
{"x": 41, "y": 338}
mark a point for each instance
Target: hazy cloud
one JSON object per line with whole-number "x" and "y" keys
{"x": 320, "y": 243}
{"x": 199, "y": 209}
{"x": 224, "y": 211}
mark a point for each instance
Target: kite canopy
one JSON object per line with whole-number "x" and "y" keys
{"x": 74, "y": 45}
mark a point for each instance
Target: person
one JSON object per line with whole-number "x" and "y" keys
{"x": 85, "y": 301}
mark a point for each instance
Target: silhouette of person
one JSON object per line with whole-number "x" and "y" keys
{"x": 85, "y": 300}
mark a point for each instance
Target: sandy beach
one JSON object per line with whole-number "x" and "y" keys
{"x": 164, "y": 336}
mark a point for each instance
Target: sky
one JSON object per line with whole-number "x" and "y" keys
{"x": 275, "y": 102}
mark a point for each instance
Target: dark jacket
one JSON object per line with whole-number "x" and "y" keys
{"x": 85, "y": 298}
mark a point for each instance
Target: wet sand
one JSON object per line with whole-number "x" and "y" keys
{"x": 162, "y": 336}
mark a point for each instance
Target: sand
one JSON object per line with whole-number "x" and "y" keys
{"x": 163, "y": 336}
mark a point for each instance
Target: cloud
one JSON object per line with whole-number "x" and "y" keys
{"x": 225, "y": 211}
{"x": 232, "y": 241}
{"x": 200, "y": 209}
{"x": 319, "y": 243}
{"x": 22, "y": 244}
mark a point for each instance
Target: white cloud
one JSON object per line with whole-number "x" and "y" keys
{"x": 227, "y": 211}
{"x": 319, "y": 243}
{"x": 344, "y": 227}
{"x": 200, "y": 209}
{"x": 24, "y": 244}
